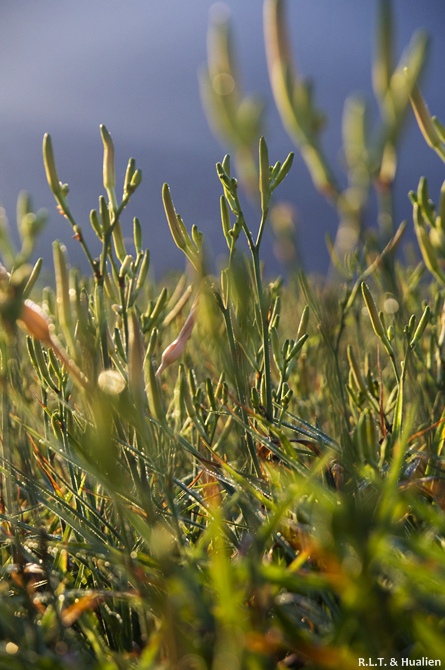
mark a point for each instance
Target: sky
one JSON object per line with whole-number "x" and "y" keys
{"x": 65, "y": 68}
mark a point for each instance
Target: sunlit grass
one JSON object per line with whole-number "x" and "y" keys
{"x": 210, "y": 513}
{"x": 226, "y": 471}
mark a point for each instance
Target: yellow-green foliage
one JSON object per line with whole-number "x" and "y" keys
{"x": 227, "y": 471}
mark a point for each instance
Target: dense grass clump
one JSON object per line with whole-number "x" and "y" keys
{"x": 222, "y": 471}
{"x": 227, "y": 471}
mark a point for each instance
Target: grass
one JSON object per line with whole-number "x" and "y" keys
{"x": 211, "y": 514}
{"x": 222, "y": 471}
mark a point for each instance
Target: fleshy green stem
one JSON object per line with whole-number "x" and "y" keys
{"x": 264, "y": 330}
{"x": 239, "y": 386}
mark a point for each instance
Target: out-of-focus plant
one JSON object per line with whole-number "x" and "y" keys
{"x": 370, "y": 158}
{"x": 432, "y": 129}
{"x": 370, "y": 155}
{"x": 29, "y": 225}
{"x": 429, "y": 225}
{"x": 429, "y": 222}
{"x": 236, "y": 118}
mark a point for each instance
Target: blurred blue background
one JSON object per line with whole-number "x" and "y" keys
{"x": 67, "y": 67}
